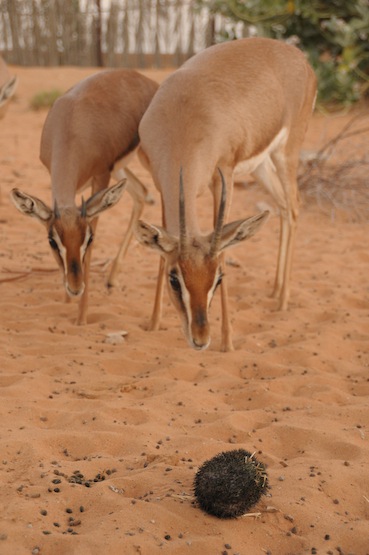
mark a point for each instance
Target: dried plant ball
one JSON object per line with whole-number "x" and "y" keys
{"x": 230, "y": 483}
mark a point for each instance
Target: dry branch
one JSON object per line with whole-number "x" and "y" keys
{"x": 336, "y": 177}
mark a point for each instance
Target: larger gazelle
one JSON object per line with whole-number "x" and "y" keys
{"x": 90, "y": 132}
{"x": 241, "y": 105}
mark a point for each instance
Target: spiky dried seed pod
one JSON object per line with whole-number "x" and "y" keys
{"x": 230, "y": 483}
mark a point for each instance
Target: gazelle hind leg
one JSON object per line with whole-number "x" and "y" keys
{"x": 139, "y": 194}
{"x": 286, "y": 165}
{"x": 267, "y": 176}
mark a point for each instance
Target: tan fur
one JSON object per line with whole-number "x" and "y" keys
{"x": 8, "y": 85}
{"x": 90, "y": 131}
{"x": 242, "y": 102}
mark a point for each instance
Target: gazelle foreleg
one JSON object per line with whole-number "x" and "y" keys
{"x": 83, "y": 303}
{"x": 158, "y": 303}
{"x": 226, "y": 330}
{"x": 226, "y": 343}
{"x": 97, "y": 184}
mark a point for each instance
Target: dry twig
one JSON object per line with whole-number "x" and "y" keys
{"x": 336, "y": 177}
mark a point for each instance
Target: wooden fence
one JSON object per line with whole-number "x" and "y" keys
{"x": 112, "y": 33}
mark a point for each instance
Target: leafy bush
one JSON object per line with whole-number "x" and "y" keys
{"x": 333, "y": 33}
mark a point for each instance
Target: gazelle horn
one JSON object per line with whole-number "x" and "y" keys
{"x": 56, "y": 211}
{"x": 182, "y": 216}
{"x": 83, "y": 208}
{"x": 220, "y": 219}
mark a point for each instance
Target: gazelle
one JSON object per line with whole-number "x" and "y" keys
{"x": 90, "y": 132}
{"x": 8, "y": 85}
{"x": 244, "y": 105}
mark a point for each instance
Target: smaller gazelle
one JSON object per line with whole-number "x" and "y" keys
{"x": 8, "y": 84}
{"x": 241, "y": 105}
{"x": 90, "y": 133}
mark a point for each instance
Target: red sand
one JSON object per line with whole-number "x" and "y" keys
{"x": 148, "y": 412}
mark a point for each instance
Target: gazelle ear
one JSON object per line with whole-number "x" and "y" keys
{"x": 104, "y": 199}
{"x": 238, "y": 231}
{"x": 31, "y": 206}
{"x": 155, "y": 237}
{"x": 7, "y": 90}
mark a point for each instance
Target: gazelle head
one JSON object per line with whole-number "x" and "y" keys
{"x": 69, "y": 230}
{"x": 192, "y": 264}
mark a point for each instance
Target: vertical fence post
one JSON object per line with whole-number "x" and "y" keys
{"x": 133, "y": 32}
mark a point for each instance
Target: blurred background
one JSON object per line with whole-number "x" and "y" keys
{"x": 164, "y": 33}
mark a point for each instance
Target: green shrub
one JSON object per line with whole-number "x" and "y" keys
{"x": 333, "y": 33}
{"x": 44, "y": 99}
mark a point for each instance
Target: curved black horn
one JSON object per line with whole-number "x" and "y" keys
{"x": 220, "y": 219}
{"x": 182, "y": 215}
{"x": 83, "y": 208}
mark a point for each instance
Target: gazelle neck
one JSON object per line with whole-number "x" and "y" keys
{"x": 194, "y": 182}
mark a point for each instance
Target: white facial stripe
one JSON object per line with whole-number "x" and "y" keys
{"x": 185, "y": 297}
{"x": 84, "y": 245}
{"x": 62, "y": 250}
{"x": 213, "y": 288}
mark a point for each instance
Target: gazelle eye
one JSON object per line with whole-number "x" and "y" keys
{"x": 174, "y": 282}
{"x": 53, "y": 244}
{"x": 90, "y": 239}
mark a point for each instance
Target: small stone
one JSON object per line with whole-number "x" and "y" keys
{"x": 115, "y": 338}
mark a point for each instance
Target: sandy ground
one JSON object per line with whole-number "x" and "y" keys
{"x": 144, "y": 414}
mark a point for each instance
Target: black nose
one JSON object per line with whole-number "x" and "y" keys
{"x": 199, "y": 345}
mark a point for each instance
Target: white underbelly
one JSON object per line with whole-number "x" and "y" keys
{"x": 250, "y": 165}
